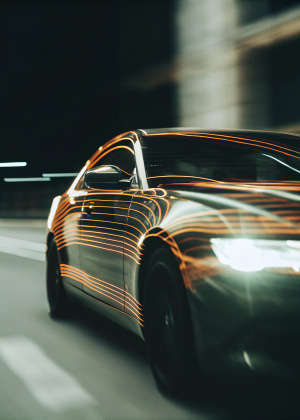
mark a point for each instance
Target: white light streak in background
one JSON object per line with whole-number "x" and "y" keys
{"x": 12, "y": 164}
{"x": 61, "y": 175}
{"x": 38, "y": 179}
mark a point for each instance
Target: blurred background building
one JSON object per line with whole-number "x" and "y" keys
{"x": 76, "y": 73}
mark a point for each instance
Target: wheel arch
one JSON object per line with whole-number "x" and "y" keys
{"x": 155, "y": 238}
{"x": 50, "y": 238}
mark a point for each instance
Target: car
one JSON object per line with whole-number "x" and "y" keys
{"x": 190, "y": 239}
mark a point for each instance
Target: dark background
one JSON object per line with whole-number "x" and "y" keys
{"x": 75, "y": 73}
{"x": 66, "y": 70}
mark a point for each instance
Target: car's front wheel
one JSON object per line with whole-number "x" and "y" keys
{"x": 167, "y": 322}
{"x": 57, "y": 300}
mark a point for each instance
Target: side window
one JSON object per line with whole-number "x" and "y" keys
{"x": 120, "y": 154}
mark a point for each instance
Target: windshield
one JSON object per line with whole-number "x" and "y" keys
{"x": 190, "y": 160}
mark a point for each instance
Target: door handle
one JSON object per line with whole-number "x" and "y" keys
{"x": 89, "y": 207}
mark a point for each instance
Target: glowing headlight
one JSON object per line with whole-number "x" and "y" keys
{"x": 256, "y": 254}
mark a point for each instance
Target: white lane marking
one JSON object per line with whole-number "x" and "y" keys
{"x": 50, "y": 385}
{"x": 20, "y": 243}
{"x": 27, "y": 249}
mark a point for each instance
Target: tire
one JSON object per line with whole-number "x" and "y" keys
{"x": 57, "y": 299}
{"x": 167, "y": 323}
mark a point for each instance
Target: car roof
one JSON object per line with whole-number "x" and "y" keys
{"x": 251, "y": 133}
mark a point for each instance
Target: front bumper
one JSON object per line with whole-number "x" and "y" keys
{"x": 247, "y": 322}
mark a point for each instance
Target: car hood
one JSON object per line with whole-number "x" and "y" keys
{"x": 258, "y": 210}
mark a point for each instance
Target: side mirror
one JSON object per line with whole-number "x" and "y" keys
{"x": 106, "y": 177}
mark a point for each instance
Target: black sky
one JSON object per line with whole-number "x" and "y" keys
{"x": 59, "y": 79}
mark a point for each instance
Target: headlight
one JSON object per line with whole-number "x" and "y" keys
{"x": 256, "y": 254}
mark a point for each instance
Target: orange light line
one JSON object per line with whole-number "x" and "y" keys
{"x": 68, "y": 243}
{"x": 84, "y": 278}
{"x": 105, "y": 284}
{"x": 234, "y": 139}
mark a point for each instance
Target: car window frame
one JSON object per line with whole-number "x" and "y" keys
{"x": 138, "y": 160}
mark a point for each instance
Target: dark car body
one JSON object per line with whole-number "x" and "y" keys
{"x": 232, "y": 228}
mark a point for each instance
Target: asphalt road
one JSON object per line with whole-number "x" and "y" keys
{"x": 87, "y": 368}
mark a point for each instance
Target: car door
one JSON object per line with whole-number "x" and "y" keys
{"x": 103, "y": 226}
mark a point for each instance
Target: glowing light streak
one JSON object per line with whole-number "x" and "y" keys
{"x": 141, "y": 196}
{"x": 64, "y": 204}
{"x": 76, "y": 180}
{"x": 68, "y": 243}
{"x": 193, "y": 238}
{"x": 184, "y": 176}
{"x": 275, "y": 205}
{"x": 196, "y": 248}
{"x": 103, "y": 288}
{"x": 123, "y": 241}
{"x": 109, "y": 228}
{"x": 121, "y": 215}
{"x": 60, "y": 175}
{"x": 69, "y": 231}
{"x": 82, "y": 278}
{"x": 114, "y": 223}
{"x": 65, "y": 227}
{"x": 62, "y": 219}
{"x": 177, "y": 252}
{"x": 66, "y": 216}
{"x": 263, "y": 200}
{"x": 285, "y": 211}
{"x": 110, "y": 143}
{"x": 32, "y": 179}
{"x": 263, "y": 143}
{"x": 216, "y": 225}
{"x": 12, "y": 164}
{"x": 240, "y": 186}
{"x": 109, "y": 151}
{"x": 279, "y": 230}
{"x": 122, "y": 312}
{"x": 86, "y": 238}
{"x": 125, "y": 208}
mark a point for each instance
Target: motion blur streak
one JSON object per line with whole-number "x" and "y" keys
{"x": 34, "y": 179}
{"x": 51, "y": 386}
{"x": 60, "y": 175}
{"x": 12, "y": 164}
